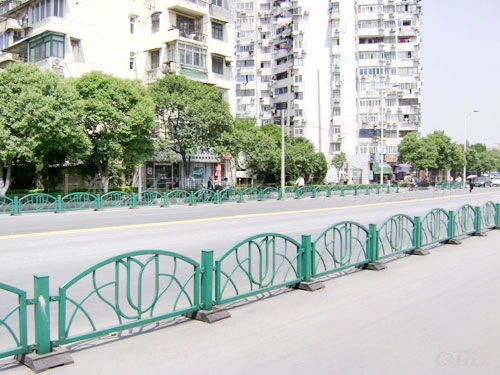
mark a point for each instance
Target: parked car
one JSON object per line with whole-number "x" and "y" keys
{"x": 495, "y": 181}
{"x": 483, "y": 182}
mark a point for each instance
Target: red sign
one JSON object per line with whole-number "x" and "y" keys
{"x": 218, "y": 173}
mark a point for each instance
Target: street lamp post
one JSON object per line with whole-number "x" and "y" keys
{"x": 465, "y": 144}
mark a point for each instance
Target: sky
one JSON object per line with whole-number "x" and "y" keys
{"x": 460, "y": 56}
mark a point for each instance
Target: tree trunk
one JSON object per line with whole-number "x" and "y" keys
{"x": 5, "y": 179}
{"x": 187, "y": 167}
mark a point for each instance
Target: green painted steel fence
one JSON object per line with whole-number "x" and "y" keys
{"x": 271, "y": 193}
{"x": 343, "y": 245}
{"x": 151, "y": 198}
{"x": 488, "y": 214}
{"x": 136, "y": 288}
{"x": 465, "y": 220}
{"x": 79, "y": 201}
{"x": 257, "y": 264}
{"x": 115, "y": 199}
{"x": 435, "y": 227}
{"x": 395, "y": 236}
{"x": 38, "y": 203}
{"x": 13, "y": 325}
{"x": 141, "y": 287}
{"x": 6, "y": 205}
{"x": 179, "y": 197}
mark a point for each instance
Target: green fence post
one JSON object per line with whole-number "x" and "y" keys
{"x": 207, "y": 275}
{"x": 497, "y": 216}
{"x": 388, "y": 188}
{"x": 313, "y": 193}
{"x": 378, "y": 189}
{"x": 42, "y": 313}
{"x": 98, "y": 202}
{"x": 15, "y": 206}
{"x": 451, "y": 229}
{"x": 372, "y": 243}
{"x": 477, "y": 221}
{"x": 372, "y": 251}
{"x": 164, "y": 200}
{"x": 261, "y": 195}
{"x": 59, "y": 204}
{"x": 342, "y": 191}
{"x": 280, "y": 194}
{"x": 133, "y": 201}
{"x": 240, "y": 200}
{"x": 297, "y": 193}
{"x": 218, "y": 199}
{"x": 192, "y": 201}
{"x": 397, "y": 188}
{"x": 356, "y": 190}
{"x": 306, "y": 258}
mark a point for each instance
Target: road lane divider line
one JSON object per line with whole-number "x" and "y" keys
{"x": 220, "y": 218}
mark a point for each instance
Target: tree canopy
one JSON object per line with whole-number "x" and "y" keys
{"x": 191, "y": 116}
{"x": 38, "y": 120}
{"x": 118, "y": 117}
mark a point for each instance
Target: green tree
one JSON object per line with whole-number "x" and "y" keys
{"x": 339, "y": 161}
{"x": 419, "y": 151}
{"x": 191, "y": 116}
{"x": 118, "y": 117}
{"x": 38, "y": 121}
{"x": 449, "y": 154}
{"x": 479, "y": 159}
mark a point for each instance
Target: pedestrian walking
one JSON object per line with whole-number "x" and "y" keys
{"x": 471, "y": 185}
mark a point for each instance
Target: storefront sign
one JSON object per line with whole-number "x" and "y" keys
{"x": 242, "y": 174}
{"x": 218, "y": 173}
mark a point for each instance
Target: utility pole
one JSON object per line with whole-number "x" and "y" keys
{"x": 282, "y": 151}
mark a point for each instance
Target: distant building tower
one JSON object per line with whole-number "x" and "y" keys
{"x": 366, "y": 56}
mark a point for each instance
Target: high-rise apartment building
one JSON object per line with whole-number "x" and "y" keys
{"x": 349, "y": 72}
{"x": 135, "y": 39}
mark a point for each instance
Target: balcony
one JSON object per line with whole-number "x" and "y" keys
{"x": 197, "y": 8}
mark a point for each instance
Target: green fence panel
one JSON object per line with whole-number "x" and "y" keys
{"x": 321, "y": 191}
{"x": 465, "y": 217}
{"x": 250, "y": 194}
{"x": 38, "y": 203}
{"x": 178, "y": 196}
{"x": 204, "y": 196}
{"x": 435, "y": 227}
{"x": 115, "y": 199}
{"x": 257, "y": 264}
{"x": 150, "y": 198}
{"x": 340, "y": 246}
{"x": 229, "y": 195}
{"x": 271, "y": 193}
{"x": 6, "y": 205}
{"x": 304, "y": 191}
{"x": 395, "y": 236}
{"x": 488, "y": 214}
{"x": 136, "y": 288}
{"x": 13, "y": 321}
{"x": 78, "y": 201}
{"x": 497, "y": 215}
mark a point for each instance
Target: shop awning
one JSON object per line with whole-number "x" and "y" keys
{"x": 406, "y": 168}
{"x": 387, "y": 168}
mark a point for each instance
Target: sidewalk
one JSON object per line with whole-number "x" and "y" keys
{"x": 436, "y": 314}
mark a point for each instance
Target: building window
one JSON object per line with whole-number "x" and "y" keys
{"x": 217, "y": 65}
{"x": 76, "y": 48}
{"x": 47, "y": 8}
{"x": 217, "y": 31}
{"x": 217, "y": 3}
{"x": 336, "y": 111}
{"x": 155, "y": 59}
{"x": 4, "y": 40}
{"x": 335, "y": 147}
{"x": 133, "y": 62}
{"x": 192, "y": 55}
{"x": 48, "y": 46}
{"x": 155, "y": 22}
{"x": 132, "y": 24}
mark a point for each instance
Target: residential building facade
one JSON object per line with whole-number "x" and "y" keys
{"x": 135, "y": 39}
{"x": 348, "y": 70}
